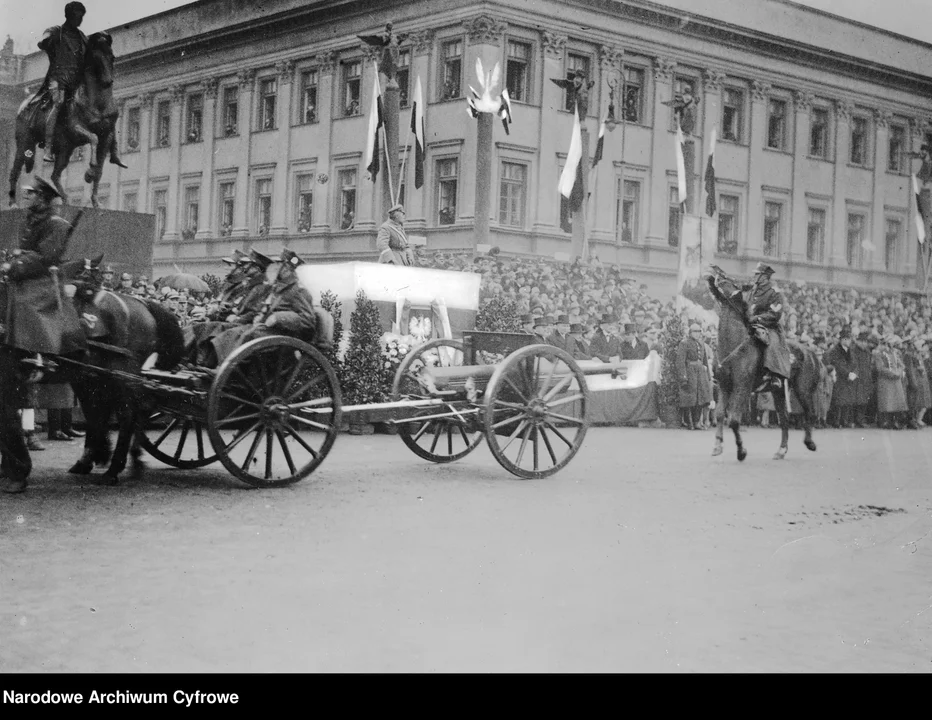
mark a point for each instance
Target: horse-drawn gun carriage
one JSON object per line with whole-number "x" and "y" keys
{"x": 271, "y": 410}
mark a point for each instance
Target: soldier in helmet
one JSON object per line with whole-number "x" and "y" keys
{"x": 107, "y": 283}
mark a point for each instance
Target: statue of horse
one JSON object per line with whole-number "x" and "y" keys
{"x": 89, "y": 118}
{"x": 740, "y": 368}
{"x": 127, "y": 330}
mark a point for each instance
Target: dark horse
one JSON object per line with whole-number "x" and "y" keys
{"x": 89, "y": 118}
{"x": 124, "y": 331}
{"x": 741, "y": 366}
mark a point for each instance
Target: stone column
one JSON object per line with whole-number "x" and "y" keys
{"x": 601, "y": 215}
{"x": 711, "y": 98}
{"x": 145, "y": 141}
{"x": 247, "y": 82}
{"x": 661, "y": 153}
{"x": 418, "y": 202}
{"x": 368, "y": 193}
{"x": 485, "y": 43}
{"x": 174, "y": 215}
{"x": 877, "y": 232}
{"x": 280, "y": 189}
{"x": 553, "y": 136}
{"x": 843, "y": 110}
{"x": 323, "y": 212}
{"x": 209, "y": 220}
{"x": 799, "y": 228}
{"x": 753, "y": 242}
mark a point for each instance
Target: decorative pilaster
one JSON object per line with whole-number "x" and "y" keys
{"x": 876, "y": 258}
{"x": 209, "y": 218}
{"x": 760, "y": 90}
{"x": 324, "y": 194}
{"x": 371, "y": 53}
{"x": 882, "y": 117}
{"x": 610, "y": 58}
{"x": 661, "y": 154}
{"x": 174, "y": 215}
{"x": 836, "y": 250}
{"x": 484, "y": 29}
{"x": 554, "y": 44}
{"x": 753, "y": 241}
{"x": 712, "y": 81}
{"x": 145, "y": 140}
{"x": 421, "y": 41}
{"x": 280, "y": 189}
{"x": 663, "y": 69}
{"x": 247, "y": 82}
{"x": 211, "y": 86}
{"x": 326, "y": 63}
{"x": 843, "y": 110}
{"x": 802, "y": 107}
{"x": 803, "y": 101}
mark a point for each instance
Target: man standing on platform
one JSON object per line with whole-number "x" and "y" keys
{"x": 392, "y": 240}
{"x": 604, "y": 345}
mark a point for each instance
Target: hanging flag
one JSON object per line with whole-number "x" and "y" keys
{"x": 504, "y": 110}
{"x": 690, "y": 254}
{"x": 920, "y": 217}
{"x": 680, "y": 166}
{"x": 417, "y": 127}
{"x": 376, "y": 121}
{"x": 600, "y": 145}
{"x": 571, "y": 181}
{"x": 710, "y": 206}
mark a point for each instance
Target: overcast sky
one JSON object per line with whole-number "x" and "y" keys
{"x": 24, "y": 20}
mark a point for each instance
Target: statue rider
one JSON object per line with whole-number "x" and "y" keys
{"x": 765, "y": 312}
{"x": 66, "y": 47}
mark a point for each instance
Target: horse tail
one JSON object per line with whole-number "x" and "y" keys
{"x": 170, "y": 336}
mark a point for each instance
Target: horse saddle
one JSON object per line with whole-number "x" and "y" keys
{"x": 761, "y": 334}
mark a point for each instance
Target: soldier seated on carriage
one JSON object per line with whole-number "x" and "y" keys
{"x": 40, "y": 319}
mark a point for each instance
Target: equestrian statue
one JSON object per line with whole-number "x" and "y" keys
{"x": 73, "y": 107}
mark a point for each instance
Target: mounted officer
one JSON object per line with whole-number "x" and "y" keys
{"x": 66, "y": 47}
{"x": 41, "y": 318}
{"x": 765, "y": 312}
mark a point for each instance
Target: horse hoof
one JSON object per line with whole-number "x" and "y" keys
{"x": 810, "y": 445}
{"x": 109, "y": 480}
{"x": 80, "y": 468}
{"x": 716, "y": 451}
{"x": 742, "y": 453}
{"x": 779, "y": 455}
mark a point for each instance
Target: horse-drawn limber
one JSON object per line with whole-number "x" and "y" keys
{"x": 272, "y": 411}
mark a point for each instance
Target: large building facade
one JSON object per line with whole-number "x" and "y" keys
{"x": 245, "y": 125}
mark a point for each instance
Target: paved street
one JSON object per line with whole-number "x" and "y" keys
{"x": 645, "y": 554}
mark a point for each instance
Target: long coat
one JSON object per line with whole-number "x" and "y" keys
{"x": 603, "y": 346}
{"x": 638, "y": 351}
{"x": 765, "y": 307}
{"x": 918, "y": 393}
{"x": 824, "y": 391}
{"x": 845, "y": 392}
{"x": 864, "y": 367}
{"x": 564, "y": 342}
{"x": 392, "y": 244}
{"x": 692, "y": 374}
{"x": 891, "y": 396}
{"x": 42, "y": 318}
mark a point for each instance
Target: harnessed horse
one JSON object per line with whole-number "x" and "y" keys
{"x": 89, "y": 118}
{"x": 741, "y": 366}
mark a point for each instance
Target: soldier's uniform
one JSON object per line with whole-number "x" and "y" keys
{"x": 257, "y": 289}
{"x": 288, "y": 309}
{"x": 765, "y": 313}
{"x": 42, "y": 319}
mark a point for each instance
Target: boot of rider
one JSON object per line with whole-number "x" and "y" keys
{"x": 114, "y": 157}
{"x": 50, "y": 132}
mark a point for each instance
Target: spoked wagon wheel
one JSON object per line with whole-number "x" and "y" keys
{"x": 273, "y": 411}
{"x": 177, "y": 439}
{"x": 440, "y": 440}
{"x": 535, "y": 411}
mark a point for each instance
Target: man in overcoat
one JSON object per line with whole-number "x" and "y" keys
{"x": 765, "y": 313}
{"x": 691, "y": 371}
{"x": 631, "y": 347}
{"x": 891, "y": 395}
{"x": 392, "y": 240}
{"x": 604, "y": 345}
{"x": 561, "y": 337}
{"x": 844, "y": 396}
{"x": 864, "y": 384}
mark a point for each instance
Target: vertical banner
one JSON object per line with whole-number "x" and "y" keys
{"x": 690, "y": 253}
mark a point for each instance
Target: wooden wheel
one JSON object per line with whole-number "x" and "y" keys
{"x": 535, "y": 411}
{"x": 440, "y": 440}
{"x": 177, "y": 439}
{"x": 273, "y": 411}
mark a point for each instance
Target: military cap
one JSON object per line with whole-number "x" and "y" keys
{"x": 290, "y": 257}
{"x": 695, "y": 327}
{"x": 763, "y": 269}
{"x": 236, "y": 257}
{"x": 43, "y": 188}
{"x": 75, "y": 7}
{"x": 396, "y": 208}
{"x": 108, "y": 270}
{"x": 257, "y": 258}
{"x": 126, "y": 276}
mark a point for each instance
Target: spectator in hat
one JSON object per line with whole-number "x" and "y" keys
{"x": 126, "y": 284}
{"x": 604, "y": 345}
{"x": 844, "y": 398}
{"x": 542, "y": 328}
{"x": 561, "y": 338}
{"x": 528, "y": 322}
{"x": 695, "y": 389}
{"x": 631, "y": 347}
{"x": 107, "y": 283}
{"x": 891, "y": 397}
{"x": 918, "y": 394}
{"x": 577, "y": 332}
{"x": 861, "y": 353}
{"x": 392, "y": 240}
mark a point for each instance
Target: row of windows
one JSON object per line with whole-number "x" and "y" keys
{"x": 775, "y": 232}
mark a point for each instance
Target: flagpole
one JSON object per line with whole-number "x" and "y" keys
{"x": 401, "y": 172}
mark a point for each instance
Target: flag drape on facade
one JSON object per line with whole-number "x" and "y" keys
{"x": 710, "y": 205}
{"x": 571, "y": 181}
{"x": 920, "y": 215}
{"x": 376, "y": 121}
{"x": 417, "y": 127}
{"x": 599, "y": 145}
{"x": 680, "y": 166}
{"x": 504, "y": 111}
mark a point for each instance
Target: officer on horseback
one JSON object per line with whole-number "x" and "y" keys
{"x": 66, "y": 47}
{"x": 765, "y": 312}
